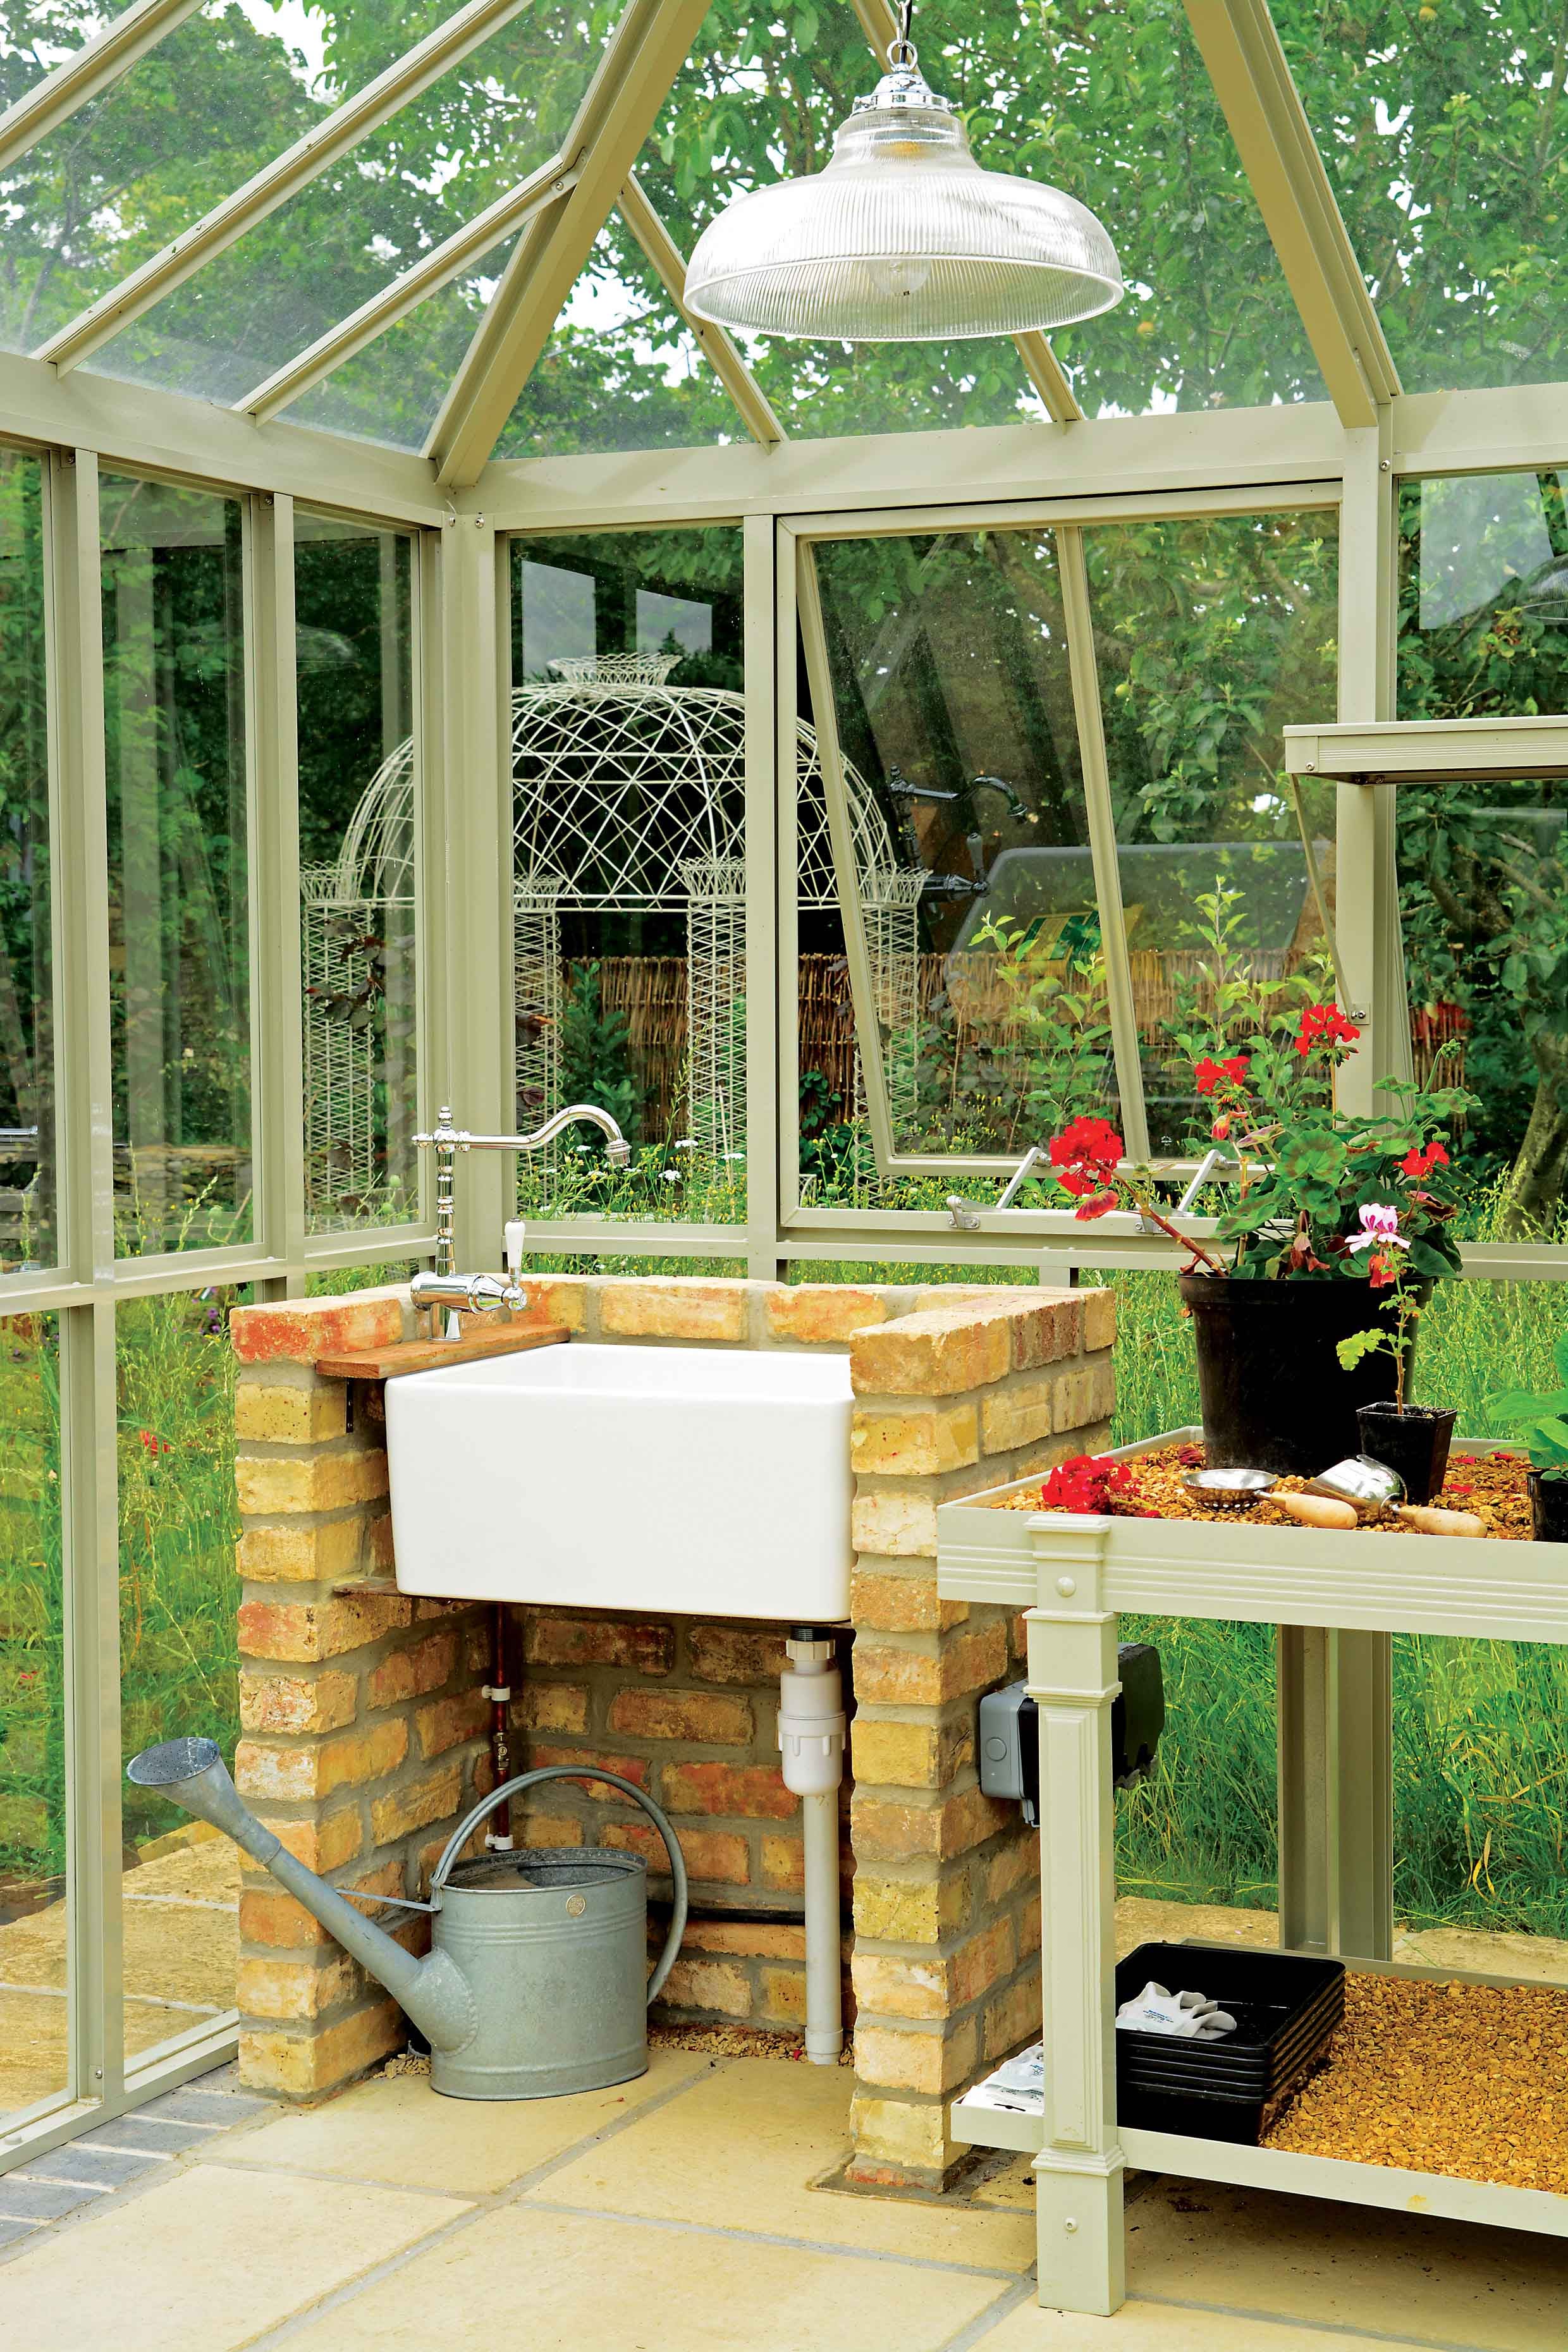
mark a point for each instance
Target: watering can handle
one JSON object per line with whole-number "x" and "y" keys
{"x": 470, "y": 1822}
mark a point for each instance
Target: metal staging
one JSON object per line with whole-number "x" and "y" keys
{"x": 463, "y": 509}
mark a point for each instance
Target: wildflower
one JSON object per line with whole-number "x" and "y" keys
{"x": 1325, "y": 1025}
{"x": 1421, "y": 1163}
{"x": 1208, "y": 1075}
{"x": 1380, "y": 1232}
{"x": 1085, "y": 1155}
{"x": 686, "y": 1143}
{"x": 153, "y": 1445}
{"x": 672, "y": 1175}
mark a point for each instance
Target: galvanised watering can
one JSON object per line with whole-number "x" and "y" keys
{"x": 537, "y": 1979}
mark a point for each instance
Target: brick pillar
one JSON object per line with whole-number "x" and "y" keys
{"x": 966, "y": 1394}
{"x": 362, "y": 1717}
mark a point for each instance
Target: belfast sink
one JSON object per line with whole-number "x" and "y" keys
{"x": 705, "y": 1481}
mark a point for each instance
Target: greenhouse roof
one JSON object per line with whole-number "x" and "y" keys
{"x": 462, "y": 234}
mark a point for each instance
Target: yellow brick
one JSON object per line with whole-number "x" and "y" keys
{"x": 886, "y": 1831}
{"x": 1014, "y": 2018}
{"x": 894, "y": 2058}
{"x": 1018, "y": 1411}
{"x": 1099, "y": 1318}
{"x": 918, "y": 1444}
{"x": 294, "y": 1989}
{"x": 553, "y": 1706}
{"x": 941, "y": 1353}
{"x": 302, "y": 1555}
{"x": 307, "y": 1774}
{"x": 270, "y": 1414}
{"x": 782, "y": 1996}
{"x": 899, "y": 1987}
{"x": 891, "y": 1602}
{"x": 305, "y": 2066}
{"x": 714, "y": 1985}
{"x": 900, "y": 1522}
{"x": 784, "y": 1864}
{"x": 293, "y": 1703}
{"x": 446, "y": 1722}
{"x": 910, "y": 1910}
{"x": 678, "y": 1306}
{"x": 274, "y": 1485}
{"x": 910, "y": 1755}
{"x": 901, "y": 2133}
{"x": 961, "y": 1661}
{"x": 417, "y": 1804}
{"x": 557, "y": 1298}
{"x": 820, "y": 1314}
{"x": 325, "y": 1842}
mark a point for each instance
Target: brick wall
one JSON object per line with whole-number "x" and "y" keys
{"x": 364, "y": 1728}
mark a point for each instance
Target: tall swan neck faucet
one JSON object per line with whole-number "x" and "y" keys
{"x": 481, "y": 1293}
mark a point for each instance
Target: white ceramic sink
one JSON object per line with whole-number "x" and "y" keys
{"x": 700, "y": 1480}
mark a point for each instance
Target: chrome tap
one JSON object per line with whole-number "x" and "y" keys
{"x": 447, "y": 1140}
{"x": 464, "y": 1294}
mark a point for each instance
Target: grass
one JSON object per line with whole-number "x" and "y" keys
{"x": 1481, "y": 1731}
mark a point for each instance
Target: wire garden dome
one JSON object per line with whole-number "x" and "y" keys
{"x": 629, "y": 798}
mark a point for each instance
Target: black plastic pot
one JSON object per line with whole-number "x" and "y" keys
{"x": 1414, "y": 1443}
{"x": 1549, "y": 1504}
{"x": 1273, "y": 1392}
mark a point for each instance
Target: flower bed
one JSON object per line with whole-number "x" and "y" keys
{"x": 1150, "y": 1485}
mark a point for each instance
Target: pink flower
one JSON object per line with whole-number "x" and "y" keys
{"x": 1379, "y": 1230}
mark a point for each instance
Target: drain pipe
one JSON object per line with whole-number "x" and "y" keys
{"x": 498, "y": 1690}
{"x": 811, "y": 1739}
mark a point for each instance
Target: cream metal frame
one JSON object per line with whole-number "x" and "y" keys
{"x": 463, "y": 506}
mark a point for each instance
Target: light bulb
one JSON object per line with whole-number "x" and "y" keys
{"x": 901, "y": 277}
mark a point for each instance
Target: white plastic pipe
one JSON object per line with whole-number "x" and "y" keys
{"x": 811, "y": 1741}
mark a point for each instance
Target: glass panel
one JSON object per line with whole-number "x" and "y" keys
{"x": 628, "y": 735}
{"x": 179, "y": 1522}
{"x": 216, "y": 100}
{"x": 1109, "y": 101}
{"x": 953, "y": 702}
{"x": 392, "y": 389}
{"x": 33, "y": 47}
{"x": 483, "y": 126}
{"x": 174, "y": 686}
{"x": 621, "y": 370}
{"x": 1442, "y": 133}
{"x": 28, "y": 1208}
{"x": 1483, "y": 868}
{"x": 1211, "y": 635}
{"x": 33, "y": 1907}
{"x": 359, "y": 838}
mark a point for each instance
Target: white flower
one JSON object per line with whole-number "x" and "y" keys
{"x": 1379, "y": 1229}
{"x": 672, "y": 1175}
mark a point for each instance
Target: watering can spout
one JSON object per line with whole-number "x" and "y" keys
{"x": 433, "y": 1992}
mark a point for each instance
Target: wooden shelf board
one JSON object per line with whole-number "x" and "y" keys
{"x": 440, "y": 1355}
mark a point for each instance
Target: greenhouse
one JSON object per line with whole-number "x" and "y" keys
{"x": 951, "y": 621}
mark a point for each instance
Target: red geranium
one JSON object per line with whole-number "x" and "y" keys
{"x": 1421, "y": 1163}
{"x": 1325, "y": 1025}
{"x": 1085, "y": 1484}
{"x": 1208, "y": 1075}
{"x": 1085, "y": 1155}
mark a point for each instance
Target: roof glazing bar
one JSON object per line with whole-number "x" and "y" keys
{"x": 427, "y": 276}
{"x": 1274, "y": 140}
{"x": 92, "y": 69}
{"x": 282, "y": 178}
{"x": 645, "y": 53}
{"x": 717, "y": 347}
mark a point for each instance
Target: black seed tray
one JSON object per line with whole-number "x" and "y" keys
{"x": 1285, "y": 2008}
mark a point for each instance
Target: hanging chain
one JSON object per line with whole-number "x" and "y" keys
{"x": 902, "y": 52}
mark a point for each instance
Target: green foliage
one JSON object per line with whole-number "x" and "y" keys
{"x": 594, "y": 1066}
{"x": 1539, "y": 1423}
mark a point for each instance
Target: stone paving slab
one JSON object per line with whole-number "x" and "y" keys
{"x": 11, "y": 2231}
{"x": 102, "y": 2167}
{"x": 31, "y": 2199}
{"x": 152, "y": 2135}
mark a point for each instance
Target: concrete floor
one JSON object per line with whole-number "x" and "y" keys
{"x": 679, "y": 2214}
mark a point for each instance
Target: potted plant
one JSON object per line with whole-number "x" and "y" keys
{"x": 1329, "y": 1208}
{"x": 1412, "y": 1439}
{"x": 1541, "y": 1425}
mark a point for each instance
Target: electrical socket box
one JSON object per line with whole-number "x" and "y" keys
{"x": 1010, "y": 1731}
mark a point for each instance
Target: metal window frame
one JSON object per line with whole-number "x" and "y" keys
{"x": 87, "y": 73}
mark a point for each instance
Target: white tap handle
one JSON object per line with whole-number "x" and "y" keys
{"x": 515, "y": 1231}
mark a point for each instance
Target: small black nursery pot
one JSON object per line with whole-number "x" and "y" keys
{"x": 1414, "y": 1443}
{"x": 1549, "y": 1502}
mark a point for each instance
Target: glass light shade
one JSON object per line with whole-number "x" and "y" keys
{"x": 903, "y": 238}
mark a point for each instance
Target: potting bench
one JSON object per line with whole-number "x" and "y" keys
{"x": 1074, "y": 1576}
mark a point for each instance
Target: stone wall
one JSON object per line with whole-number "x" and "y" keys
{"x": 364, "y": 1722}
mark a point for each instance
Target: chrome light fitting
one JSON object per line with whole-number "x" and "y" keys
{"x": 903, "y": 238}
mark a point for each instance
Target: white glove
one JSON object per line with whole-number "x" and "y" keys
{"x": 1191, "y": 2016}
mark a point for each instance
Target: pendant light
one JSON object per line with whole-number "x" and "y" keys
{"x": 903, "y": 237}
